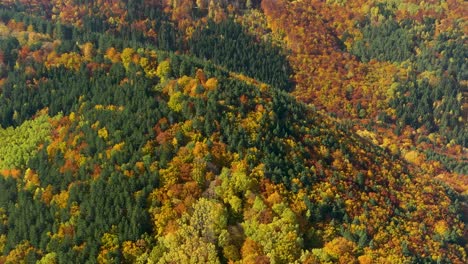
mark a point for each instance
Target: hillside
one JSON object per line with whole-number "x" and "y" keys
{"x": 143, "y": 132}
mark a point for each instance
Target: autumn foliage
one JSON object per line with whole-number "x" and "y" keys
{"x": 120, "y": 145}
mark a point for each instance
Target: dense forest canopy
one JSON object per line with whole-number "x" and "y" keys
{"x": 235, "y": 131}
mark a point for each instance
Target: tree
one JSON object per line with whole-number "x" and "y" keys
{"x": 279, "y": 238}
{"x": 127, "y": 57}
{"x": 209, "y": 218}
{"x": 163, "y": 70}
{"x": 88, "y": 51}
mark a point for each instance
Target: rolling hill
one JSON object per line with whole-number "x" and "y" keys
{"x": 151, "y": 132}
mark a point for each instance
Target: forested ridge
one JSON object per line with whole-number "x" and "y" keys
{"x": 232, "y": 132}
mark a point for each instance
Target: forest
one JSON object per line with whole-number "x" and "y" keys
{"x": 233, "y": 131}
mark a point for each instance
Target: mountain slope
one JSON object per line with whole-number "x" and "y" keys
{"x": 156, "y": 156}
{"x": 168, "y": 149}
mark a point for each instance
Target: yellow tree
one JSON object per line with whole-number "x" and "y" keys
{"x": 110, "y": 244}
{"x": 279, "y": 238}
{"x": 127, "y": 57}
{"x": 195, "y": 240}
{"x": 88, "y": 51}
{"x": 163, "y": 70}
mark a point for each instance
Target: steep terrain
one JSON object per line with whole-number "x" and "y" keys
{"x": 116, "y": 149}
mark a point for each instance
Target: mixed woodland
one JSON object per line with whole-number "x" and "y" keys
{"x": 233, "y": 131}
